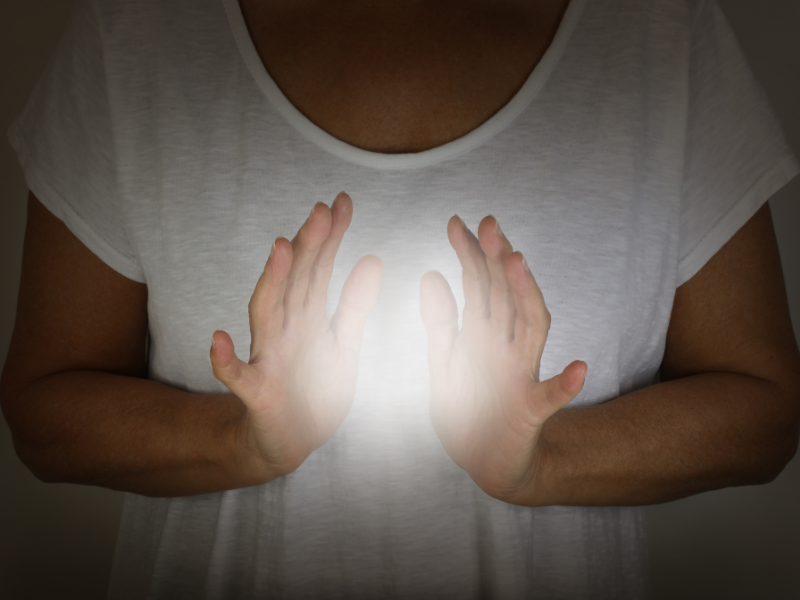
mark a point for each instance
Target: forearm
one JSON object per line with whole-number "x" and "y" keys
{"x": 132, "y": 434}
{"x": 665, "y": 442}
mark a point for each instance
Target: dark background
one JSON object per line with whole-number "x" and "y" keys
{"x": 57, "y": 540}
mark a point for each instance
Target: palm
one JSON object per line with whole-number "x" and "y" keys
{"x": 322, "y": 383}
{"x": 299, "y": 383}
{"x": 487, "y": 403}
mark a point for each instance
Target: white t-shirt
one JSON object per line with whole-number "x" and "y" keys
{"x": 638, "y": 146}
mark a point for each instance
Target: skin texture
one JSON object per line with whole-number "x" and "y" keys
{"x": 73, "y": 388}
{"x": 400, "y": 76}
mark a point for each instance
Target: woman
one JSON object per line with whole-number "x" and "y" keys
{"x": 626, "y": 153}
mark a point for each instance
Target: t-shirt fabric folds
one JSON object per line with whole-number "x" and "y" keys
{"x": 637, "y": 147}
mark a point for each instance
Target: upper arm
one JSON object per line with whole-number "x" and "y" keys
{"x": 74, "y": 312}
{"x": 733, "y": 315}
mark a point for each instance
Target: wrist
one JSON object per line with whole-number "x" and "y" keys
{"x": 250, "y": 464}
{"x": 532, "y": 489}
{"x": 257, "y": 464}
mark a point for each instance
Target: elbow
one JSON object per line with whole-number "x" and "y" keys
{"x": 782, "y": 444}
{"x": 32, "y": 455}
{"x": 791, "y": 434}
{"x": 782, "y": 454}
{"x": 786, "y": 449}
{"x": 28, "y": 447}
{"x": 31, "y": 458}
{"x": 767, "y": 439}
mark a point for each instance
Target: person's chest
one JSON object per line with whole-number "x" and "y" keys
{"x": 405, "y": 76}
{"x": 214, "y": 168}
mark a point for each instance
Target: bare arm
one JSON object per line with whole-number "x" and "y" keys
{"x": 74, "y": 390}
{"x": 727, "y": 411}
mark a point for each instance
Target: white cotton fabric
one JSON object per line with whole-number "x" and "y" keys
{"x": 640, "y": 144}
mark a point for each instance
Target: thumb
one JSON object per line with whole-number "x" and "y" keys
{"x": 562, "y": 388}
{"x": 439, "y": 314}
{"x": 359, "y": 294}
{"x": 238, "y": 376}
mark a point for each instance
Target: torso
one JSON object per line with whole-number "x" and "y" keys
{"x": 402, "y": 76}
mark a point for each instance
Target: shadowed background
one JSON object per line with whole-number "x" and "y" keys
{"x": 57, "y": 540}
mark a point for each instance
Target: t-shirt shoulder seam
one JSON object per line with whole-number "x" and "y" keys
{"x": 60, "y": 206}
{"x": 769, "y": 182}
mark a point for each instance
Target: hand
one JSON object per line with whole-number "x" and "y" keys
{"x": 299, "y": 383}
{"x": 487, "y": 403}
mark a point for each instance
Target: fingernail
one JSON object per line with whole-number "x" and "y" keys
{"x": 497, "y": 227}
{"x": 311, "y": 214}
{"x": 525, "y": 264}
{"x": 272, "y": 250}
{"x": 213, "y": 344}
{"x": 460, "y": 220}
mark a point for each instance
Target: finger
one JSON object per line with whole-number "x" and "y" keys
{"x": 305, "y": 245}
{"x": 341, "y": 215}
{"x": 533, "y": 319}
{"x": 439, "y": 315}
{"x": 560, "y": 390}
{"x": 496, "y": 248}
{"x": 266, "y": 304}
{"x": 240, "y": 378}
{"x": 359, "y": 294}
{"x": 475, "y": 276}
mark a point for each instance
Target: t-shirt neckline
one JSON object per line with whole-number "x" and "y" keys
{"x": 475, "y": 138}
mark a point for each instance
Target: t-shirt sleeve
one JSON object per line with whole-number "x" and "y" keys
{"x": 736, "y": 154}
{"x": 65, "y": 144}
